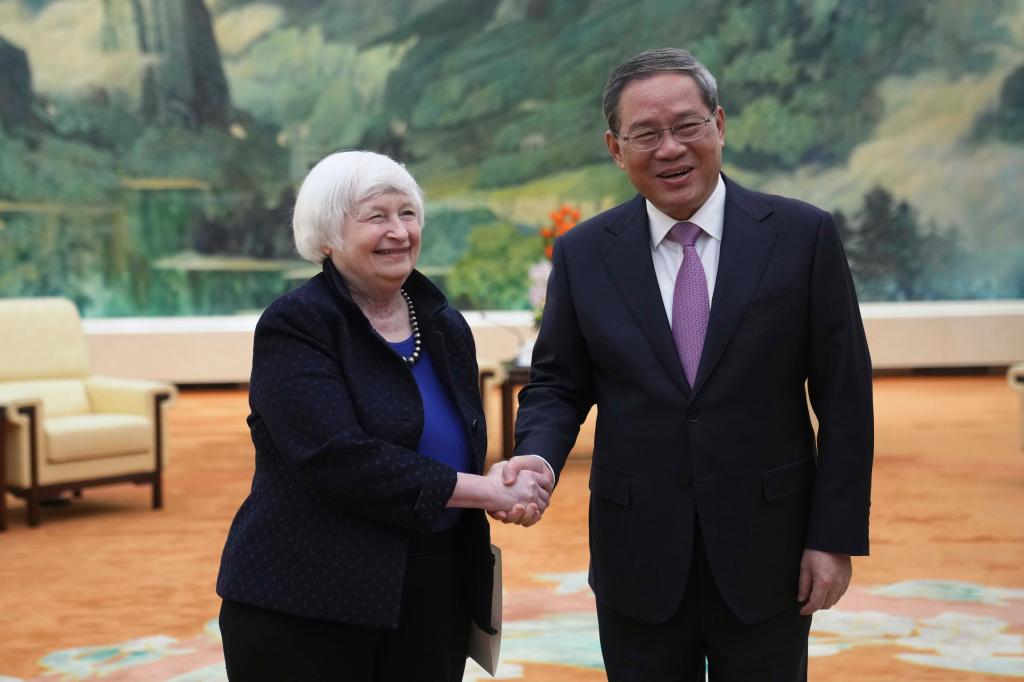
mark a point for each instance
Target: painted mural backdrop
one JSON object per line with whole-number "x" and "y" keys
{"x": 150, "y": 149}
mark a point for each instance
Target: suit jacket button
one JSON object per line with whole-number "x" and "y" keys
{"x": 686, "y": 480}
{"x": 476, "y": 425}
{"x": 693, "y": 416}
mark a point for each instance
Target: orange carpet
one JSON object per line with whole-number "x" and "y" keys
{"x": 108, "y": 586}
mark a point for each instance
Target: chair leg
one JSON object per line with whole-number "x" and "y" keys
{"x": 32, "y": 502}
{"x": 3, "y": 469}
{"x": 158, "y": 474}
{"x": 158, "y": 492}
{"x": 33, "y": 491}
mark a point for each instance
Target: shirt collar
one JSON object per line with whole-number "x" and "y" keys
{"x": 710, "y": 217}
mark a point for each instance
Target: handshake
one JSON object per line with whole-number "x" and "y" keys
{"x": 520, "y": 490}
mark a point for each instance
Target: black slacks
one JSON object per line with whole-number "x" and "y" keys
{"x": 429, "y": 644}
{"x": 704, "y": 628}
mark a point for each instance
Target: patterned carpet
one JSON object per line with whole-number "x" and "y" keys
{"x": 930, "y": 623}
{"x": 106, "y": 589}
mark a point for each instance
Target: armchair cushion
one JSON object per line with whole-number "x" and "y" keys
{"x": 93, "y": 436}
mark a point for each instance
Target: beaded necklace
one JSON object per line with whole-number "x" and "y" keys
{"x": 416, "y": 342}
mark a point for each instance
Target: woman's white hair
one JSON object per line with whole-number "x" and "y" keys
{"x": 335, "y": 185}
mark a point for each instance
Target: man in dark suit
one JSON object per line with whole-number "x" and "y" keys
{"x": 693, "y": 316}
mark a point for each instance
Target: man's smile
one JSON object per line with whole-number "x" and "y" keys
{"x": 673, "y": 174}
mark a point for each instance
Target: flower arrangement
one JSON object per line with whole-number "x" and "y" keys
{"x": 563, "y": 219}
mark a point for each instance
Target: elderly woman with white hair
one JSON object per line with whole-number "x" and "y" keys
{"x": 362, "y": 551}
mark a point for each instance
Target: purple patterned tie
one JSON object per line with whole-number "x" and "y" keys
{"x": 690, "y": 308}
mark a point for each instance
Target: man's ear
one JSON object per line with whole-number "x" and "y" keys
{"x": 614, "y": 148}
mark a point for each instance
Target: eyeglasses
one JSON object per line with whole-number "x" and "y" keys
{"x": 686, "y": 130}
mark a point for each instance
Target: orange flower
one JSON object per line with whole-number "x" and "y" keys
{"x": 563, "y": 219}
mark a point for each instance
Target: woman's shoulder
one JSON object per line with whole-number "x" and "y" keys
{"x": 453, "y": 315}
{"x": 455, "y": 327}
{"x": 308, "y": 305}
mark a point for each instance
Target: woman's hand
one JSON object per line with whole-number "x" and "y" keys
{"x": 490, "y": 493}
{"x": 508, "y": 471}
{"x": 526, "y": 497}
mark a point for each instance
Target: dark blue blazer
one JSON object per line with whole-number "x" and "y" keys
{"x": 339, "y": 487}
{"x": 737, "y": 452}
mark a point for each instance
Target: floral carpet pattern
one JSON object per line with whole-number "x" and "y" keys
{"x": 938, "y": 624}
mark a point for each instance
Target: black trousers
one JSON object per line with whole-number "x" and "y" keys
{"x": 429, "y": 644}
{"x": 704, "y": 628}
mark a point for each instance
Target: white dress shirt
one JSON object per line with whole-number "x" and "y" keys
{"x": 668, "y": 255}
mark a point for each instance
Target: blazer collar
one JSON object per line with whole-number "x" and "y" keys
{"x": 428, "y": 299}
{"x": 747, "y": 242}
{"x": 627, "y": 255}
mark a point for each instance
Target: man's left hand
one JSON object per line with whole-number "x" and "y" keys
{"x": 824, "y": 577}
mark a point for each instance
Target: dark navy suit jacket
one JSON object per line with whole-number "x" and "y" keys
{"x": 339, "y": 487}
{"x": 737, "y": 452}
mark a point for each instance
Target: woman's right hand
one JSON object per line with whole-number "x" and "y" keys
{"x": 492, "y": 494}
{"x": 528, "y": 491}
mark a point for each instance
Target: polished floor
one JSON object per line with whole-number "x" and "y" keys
{"x": 941, "y": 598}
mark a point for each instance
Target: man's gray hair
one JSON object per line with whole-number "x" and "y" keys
{"x": 335, "y": 185}
{"x": 649, "y": 63}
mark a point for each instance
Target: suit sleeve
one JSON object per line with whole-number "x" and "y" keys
{"x": 300, "y": 394}
{"x": 839, "y": 386}
{"x": 560, "y": 393}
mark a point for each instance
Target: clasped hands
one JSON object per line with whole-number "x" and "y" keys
{"x": 523, "y": 490}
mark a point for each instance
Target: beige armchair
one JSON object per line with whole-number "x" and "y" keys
{"x": 62, "y": 429}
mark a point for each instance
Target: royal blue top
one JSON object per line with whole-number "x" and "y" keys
{"x": 444, "y": 435}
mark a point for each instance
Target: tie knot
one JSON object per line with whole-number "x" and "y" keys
{"x": 685, "y": 233}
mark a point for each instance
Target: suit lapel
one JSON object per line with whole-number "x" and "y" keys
{"x": 747, "y": 243}
{"x": 627, "y": 255}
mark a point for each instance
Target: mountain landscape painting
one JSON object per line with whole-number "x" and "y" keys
{"x": 150, "y": 150}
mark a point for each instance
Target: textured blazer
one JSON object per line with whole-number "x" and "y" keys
{"x": 339, "y": 488}
{"x": 735, "y": 454}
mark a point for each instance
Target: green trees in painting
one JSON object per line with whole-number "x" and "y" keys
{"x": 170, "y": 193}
{"x": 894, "y": 257}
{"x": 799, "y": 77}
{"x": 1006, "y": 121}
{"x": 493, "y": 271}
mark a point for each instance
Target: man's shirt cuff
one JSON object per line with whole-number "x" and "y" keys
{"x": 548, "y": 465}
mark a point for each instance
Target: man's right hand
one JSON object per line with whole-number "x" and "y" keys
{"x": 524, "y": 515}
